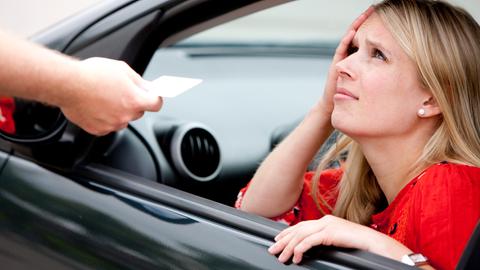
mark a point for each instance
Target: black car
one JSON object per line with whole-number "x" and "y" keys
{"x": 159, "y": 194}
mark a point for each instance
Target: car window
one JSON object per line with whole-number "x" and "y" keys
{"x": 260, "y": 72}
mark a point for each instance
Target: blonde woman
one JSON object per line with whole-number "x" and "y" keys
{"x": 404, "y": 88}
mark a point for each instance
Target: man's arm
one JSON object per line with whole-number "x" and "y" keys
{"x": 98, "y": 94}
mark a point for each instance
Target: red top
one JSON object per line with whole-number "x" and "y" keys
{"x": 434, "y": 214}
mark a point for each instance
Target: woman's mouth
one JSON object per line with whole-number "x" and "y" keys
{"x": 343, "y": 93}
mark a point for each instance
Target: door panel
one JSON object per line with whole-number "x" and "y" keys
{"x": 49, "y": 221}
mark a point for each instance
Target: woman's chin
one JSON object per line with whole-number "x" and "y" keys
{"x": 345, "y": 125}
{"x": 339, "y": 120}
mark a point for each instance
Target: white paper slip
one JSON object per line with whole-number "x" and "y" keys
{"x": 171, "y": 86}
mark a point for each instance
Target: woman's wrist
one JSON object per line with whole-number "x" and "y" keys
{"x": 319, "y": 121}
{"x": 321, "y": 113}
{"x": 322, "y": 107}
{"x": 386, "y": 246}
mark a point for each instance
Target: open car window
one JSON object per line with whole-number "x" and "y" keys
{"x": 260, "y": 72}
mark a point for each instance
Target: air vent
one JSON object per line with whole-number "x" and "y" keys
{"x": 195, "y": 152}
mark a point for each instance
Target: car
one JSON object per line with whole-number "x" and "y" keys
{"x": 159, "y": 194}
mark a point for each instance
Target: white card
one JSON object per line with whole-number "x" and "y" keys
{"x": 171, "y": 86}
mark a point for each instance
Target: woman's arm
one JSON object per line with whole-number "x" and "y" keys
{"x": 278, "y": 182}
{"x": 334, "y": 231}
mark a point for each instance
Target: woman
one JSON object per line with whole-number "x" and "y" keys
{"x": 404, "y": 88}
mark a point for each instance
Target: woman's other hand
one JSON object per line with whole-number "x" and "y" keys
{"x": 333, "y": 231}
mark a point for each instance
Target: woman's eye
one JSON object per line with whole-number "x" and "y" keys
{"x": 379, "y": 55}
{"x": 352, "y": 49}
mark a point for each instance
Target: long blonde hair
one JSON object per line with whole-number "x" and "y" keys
{"x": 442, "y": 40}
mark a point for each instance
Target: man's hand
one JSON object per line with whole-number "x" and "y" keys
{"x": 105, "y": 96}
{"x": 98, "y": 94}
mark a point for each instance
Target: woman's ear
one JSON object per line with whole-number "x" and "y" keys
{"x": 429, "y": 108}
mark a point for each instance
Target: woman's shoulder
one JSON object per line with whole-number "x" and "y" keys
{"x": 448, "y": 171}
{"x": 448, "y": 177}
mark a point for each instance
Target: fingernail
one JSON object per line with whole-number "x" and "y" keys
{"x": 282, "y": 258}
{"x": 272, "y": 249}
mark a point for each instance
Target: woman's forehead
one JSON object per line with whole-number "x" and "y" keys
{"x": 374, "y": 26}
{"x": 374, "y": 31}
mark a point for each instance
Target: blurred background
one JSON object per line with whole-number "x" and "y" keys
{"x": 27, "y": 17}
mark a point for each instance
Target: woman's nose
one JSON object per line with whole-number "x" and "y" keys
{"x": 344, "y": 68}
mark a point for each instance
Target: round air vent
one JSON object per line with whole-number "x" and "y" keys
{"x": 195, "y": 152}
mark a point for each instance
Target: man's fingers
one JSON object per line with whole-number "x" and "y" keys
{"x": 149, "y": 102}
{"x": 153, "y": 103}
{"x": 146, "y": 101}
{"x": 138, "y": 115}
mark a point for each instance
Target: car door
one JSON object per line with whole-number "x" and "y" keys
{"x": 99, "y": 218}
{"x": 51, "y": 221}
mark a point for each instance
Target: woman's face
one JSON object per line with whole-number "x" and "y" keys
{"x": 378, "y": 91}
